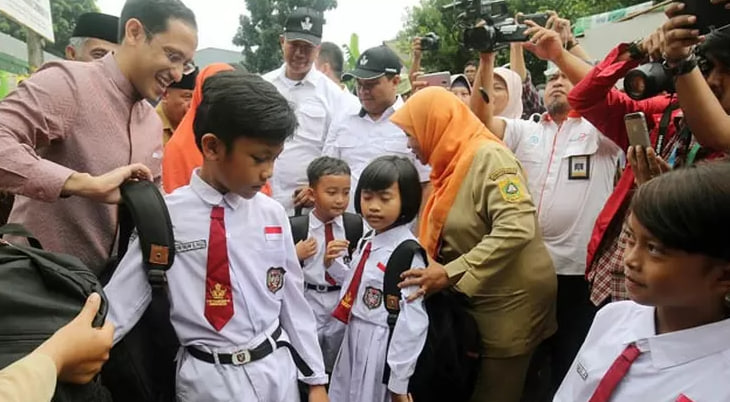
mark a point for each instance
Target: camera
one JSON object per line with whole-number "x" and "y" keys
{"x": 538, "y": 18}
{"x": 430, "y": 41}
{"x": 500, "y": 28}
{"x": 648, "y": 80}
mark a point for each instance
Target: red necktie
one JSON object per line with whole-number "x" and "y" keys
{"x": 344, "y": 307}
{"x": 615, "y": 374}
{"x": 218, "y": 292}
{"x": 328, "y": 237}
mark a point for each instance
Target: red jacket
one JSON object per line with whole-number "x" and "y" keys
{"x": 599, "y": 102}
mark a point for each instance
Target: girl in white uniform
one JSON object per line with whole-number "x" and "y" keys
{"x": 388, "y": 196}
{"x": 670, "y": 343}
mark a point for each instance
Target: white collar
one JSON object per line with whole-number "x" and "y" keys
{"x": 386, "y": 115}
{"x": 679, "y": 347}
{"x": 210, "y": 195}
{"x": 315, "y": 222}
{"x": 312, "y": 76}
{"x": 391, "y": 238}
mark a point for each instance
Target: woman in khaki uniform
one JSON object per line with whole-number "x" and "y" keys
{"x": 480, "y": 227}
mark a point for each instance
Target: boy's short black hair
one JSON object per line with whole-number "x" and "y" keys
{"x": 687, "y": 209}
{"x": 325, "y": 166}
{"x": 237, "y": 104}
{"x": 382, "y": 173}
{"x": 155, "y": 15}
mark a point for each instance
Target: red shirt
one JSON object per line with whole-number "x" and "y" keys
{"x": 599, "y": 102}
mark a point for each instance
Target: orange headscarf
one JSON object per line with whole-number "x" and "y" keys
{"x": 181, "y": 155}
{"x": 448, "y": 134}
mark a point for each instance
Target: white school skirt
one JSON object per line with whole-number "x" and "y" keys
{"x": 358, "y": 372}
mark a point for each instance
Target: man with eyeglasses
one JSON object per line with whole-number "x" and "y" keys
{"x": 73, "y": 132}
{"x": 94, "y": 36}
{"x": 363, "y": 134}
{"x": 316, "y": 97}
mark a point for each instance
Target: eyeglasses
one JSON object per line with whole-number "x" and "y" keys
{"x": 175, "y": 57}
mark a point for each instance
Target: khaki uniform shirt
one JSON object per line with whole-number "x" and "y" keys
{"x": 495, "y": 255}
{"x": 167, "y": 128}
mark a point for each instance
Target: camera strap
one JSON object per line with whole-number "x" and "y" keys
{"x": 664, "y": 126}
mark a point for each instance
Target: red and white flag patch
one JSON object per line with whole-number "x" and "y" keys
{"x": 381, "y": 266}
{"x": 273, "y": 233}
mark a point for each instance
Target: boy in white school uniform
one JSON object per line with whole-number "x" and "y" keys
{"x": 325, "y": 251}
{"x": 235, "y": 287}
{"x": 670, "y": 343}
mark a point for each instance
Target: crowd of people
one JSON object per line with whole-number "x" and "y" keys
{"x": 594, "y": 268}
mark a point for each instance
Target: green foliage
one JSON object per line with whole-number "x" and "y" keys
{"x": 428, "y": 17}
{"x": 65, "y": 13}
{"x": 259, "y": 33}
{"x": 352, "y": 52}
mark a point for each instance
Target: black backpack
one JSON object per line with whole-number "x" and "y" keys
{"x": 141, "y": 367}
{"x": 41, "y": 292}
{"x": 352, "y": 222}
{"x": 448, "y": 365}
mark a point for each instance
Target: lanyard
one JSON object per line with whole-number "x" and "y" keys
{"x": 664, "y": 126}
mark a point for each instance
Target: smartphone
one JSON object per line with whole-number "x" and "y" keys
{"x": 538, "y": 18}
{"x": 442, "y": 79}
{"x": 709, "y": 16}
{"x": 637, "y": 130}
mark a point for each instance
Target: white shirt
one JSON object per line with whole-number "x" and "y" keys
{"x": 684, "y": 366}
{"x": 409, "y": 334}
{"x": 567, "y": 204}
{"x": 316, "y": 100}
{"x": 253, "y": 251}
{"x": 358, "y": 139}
{"x": 314, "y": 266}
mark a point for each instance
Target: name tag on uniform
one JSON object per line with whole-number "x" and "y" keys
{"x": 273, "y": 233}
{"x": 579, "y": 167}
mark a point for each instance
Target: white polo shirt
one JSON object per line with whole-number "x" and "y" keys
{"x": 316, "y": 100}
{"x": 358, "y": 139}
{"x": 571, "y": 170}
{"x": 683, "y": 366}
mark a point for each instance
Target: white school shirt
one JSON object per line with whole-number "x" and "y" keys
{"x": 409, "y": 334}
{"x": 570, "y": 173}
{"x": 314, "y": 266}
{"x": 683, "y": 366}
{"x": 259, "y": 247}
{"x": 316, "y": 100}
{"x": 358, "y": 139}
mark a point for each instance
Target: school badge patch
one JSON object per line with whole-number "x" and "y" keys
{"x": 275, "y": 279}
{"x": 511, "y": 189}
{"x": 372, "y": 297}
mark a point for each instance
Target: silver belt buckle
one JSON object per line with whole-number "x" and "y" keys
{"x": 241, "y": 357}
{"x": 321, "y": 288}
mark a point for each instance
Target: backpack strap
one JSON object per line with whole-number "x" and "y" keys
{"x": 16, "y": 229}
{"x": 353, "y": 230}
{"x": 144, "y": 208}
{"x": 299, "y": 227}
{"x": 399, "y": 262}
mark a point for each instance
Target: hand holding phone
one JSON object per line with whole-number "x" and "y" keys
{"x": 442, "y": 79}
{"x": 637, "y": 130}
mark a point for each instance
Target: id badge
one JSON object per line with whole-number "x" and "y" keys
{"x": 579, "y": 167}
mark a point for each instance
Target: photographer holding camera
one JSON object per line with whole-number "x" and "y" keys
{"x": 685, "y": 127}
{"x": 571, "y": 168}
{"x": 531, "y": 101}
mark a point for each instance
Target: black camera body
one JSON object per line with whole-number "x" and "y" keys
{"x": 430, "y": 41}
{"x": 500, "y": 28}
{"x": 648, "y": 80}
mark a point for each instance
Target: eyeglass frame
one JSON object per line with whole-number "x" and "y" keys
{"x": 172, "y": 56}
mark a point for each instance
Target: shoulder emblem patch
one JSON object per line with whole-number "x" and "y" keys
{"x": 511, "y": 189}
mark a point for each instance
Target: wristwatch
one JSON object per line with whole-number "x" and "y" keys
{"x": 681, "y": 67}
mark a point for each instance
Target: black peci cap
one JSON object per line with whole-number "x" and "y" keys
{"x": 187, "y": 81}
{"x": 97, "y": 25}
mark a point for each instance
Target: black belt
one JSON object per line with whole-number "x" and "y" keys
{"x": 259, "y": 352}
{"x": 322, "y": 288}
